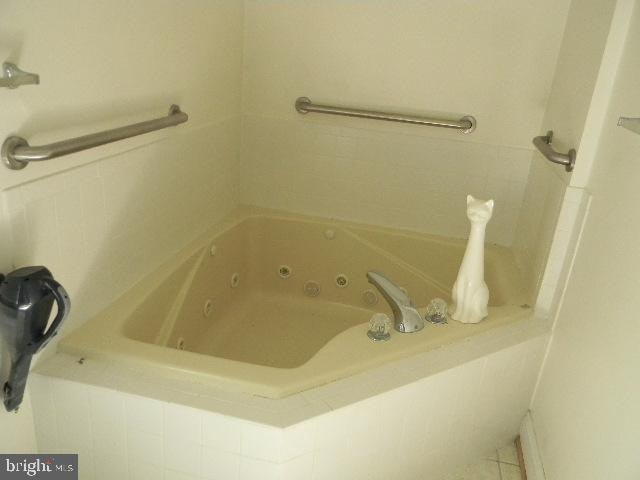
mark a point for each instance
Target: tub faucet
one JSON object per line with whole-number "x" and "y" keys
{"x": 406, "y": 318}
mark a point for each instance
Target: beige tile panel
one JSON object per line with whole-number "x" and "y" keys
{"x": 457, "y": 417}
{"x": 399, "y": 180}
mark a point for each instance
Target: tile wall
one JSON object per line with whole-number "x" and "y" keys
{"x": 538, "y": 218}
{"x": 502, "y": 464}
{"x": 101, "y": 221}
{"x": 573, "y": 213}
{"x": 423, "y": 429}
{"x": 381, "y": 177}
{"x": 101, "y": 218}
{"x": 104, "y": 225}
{"x": 548, "y": 231}
{"x": 376, "y": 58}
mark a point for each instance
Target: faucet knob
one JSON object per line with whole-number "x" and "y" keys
{"x": 380, "y": 329}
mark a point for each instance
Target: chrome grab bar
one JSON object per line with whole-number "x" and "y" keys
{"x": 543, "y": 144}
{"x": 13, "y": 77}
{"x": 466, "y": 124}
{"x": 17, "y": 153}
{"x": 630, "y": 123}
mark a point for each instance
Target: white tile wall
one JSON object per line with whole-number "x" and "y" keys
{"x": 388, "y": 178}
{"x": 538, "y": 218}
{"x": 549, "y": 224}
{"x": 423, "y": 429}
{"x": 382, "y": 173}
{"x": 494, "y": 467}
{"x": 572, "y": 215}
{"x": 102, "y": 226}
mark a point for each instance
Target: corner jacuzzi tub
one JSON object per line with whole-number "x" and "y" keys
{"x": 272, "y": 304}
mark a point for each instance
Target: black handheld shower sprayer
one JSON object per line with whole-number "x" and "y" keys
{"x": 26, "y": 300}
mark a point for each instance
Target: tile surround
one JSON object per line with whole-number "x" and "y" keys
{"x": 508, "y": 454}
{"x": 494, "y": 467}
{"x": 538, "y": 218}
{"x": 548, "y": 229}
{"x": 510, "y": 472}
{"x": 573, "y": 213}
{"x": 479, "y": 406}
{"x": 412, "y": 182}
{"x": 100, "y": 231}
{"x": 486, "y": 470}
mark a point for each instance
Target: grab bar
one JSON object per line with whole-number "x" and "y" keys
{"x": 543, "y": 144}
{"x": 17, "y": 153}
{"x": 467, "y": 123}
{"x": 13, "y": 77}
{"x": 630, "y": 123}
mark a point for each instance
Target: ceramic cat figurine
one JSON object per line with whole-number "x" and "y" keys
{"x": 470, "y": 293}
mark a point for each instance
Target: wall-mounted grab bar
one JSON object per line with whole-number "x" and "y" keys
{"x": 13, "y": 77}
{"x": 544, "y": 145}
{"x": 630, "y": 123}
{"x": 466, "y": 124}
{"x": 17, "y": 153}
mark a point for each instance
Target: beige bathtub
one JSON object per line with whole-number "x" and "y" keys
{"x": 272, "y": 304}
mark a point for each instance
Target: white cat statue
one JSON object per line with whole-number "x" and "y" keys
{"x": 470, "y": 293}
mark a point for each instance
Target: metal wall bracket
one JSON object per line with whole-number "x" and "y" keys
{"x": 543, "y": 144}
{"x": 13, "y": 77}
{"x": 631, "y": 124}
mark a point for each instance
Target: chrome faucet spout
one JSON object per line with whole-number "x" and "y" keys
{"x": 406, "y": 318}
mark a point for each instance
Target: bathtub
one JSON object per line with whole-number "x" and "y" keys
{"x": 272, "y": 304}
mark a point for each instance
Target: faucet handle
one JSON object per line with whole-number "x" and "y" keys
{"x": 437, "y": 311}
{"x": 380, "y": 327}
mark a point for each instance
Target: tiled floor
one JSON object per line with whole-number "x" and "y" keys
{"x": 502, "y": 465}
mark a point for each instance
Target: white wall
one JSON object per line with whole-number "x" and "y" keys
{"x": 103, "y": 218}
{"x": 451, "y": 58}
{"x": 540, "y": 209}
{"x": 576, "y": 73}
{"x": 570, "y": 102}
{"x": 586, "y": 412}
{"x": 19, "y": 428}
